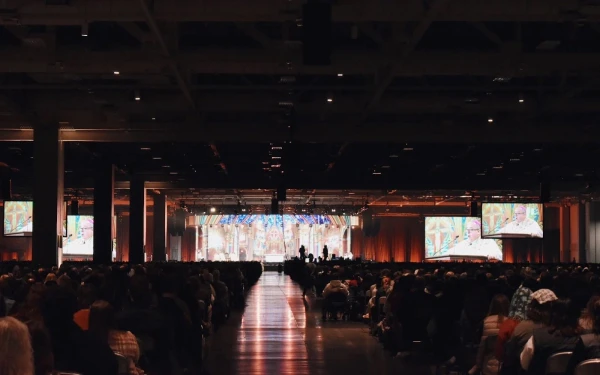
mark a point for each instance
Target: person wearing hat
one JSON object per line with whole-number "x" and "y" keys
{"x": 535, "y": 315}
{"x": 561, "y": 336}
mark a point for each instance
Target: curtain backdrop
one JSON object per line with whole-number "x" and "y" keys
{"x": 401, "y": 239}
{"x": 188, "y": 245}
{"x": 123, "y": 238}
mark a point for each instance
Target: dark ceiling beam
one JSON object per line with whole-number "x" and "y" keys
{"x": 135, "y": 31}
{"x": 386, "y": 183}
{"x": 71, "y": 104}
{"x": 383, "y": 82}
{"x": 491, "y": 36}
{"x": 37, "y": 13}
{"x": 496, "y": 88}
{"x": 249, "y": 62}
{"x": 166, "y": 53}
{"x": 443, "y": 132}
{"x": 183, "y": 85}
{"x": 251, "y": 30}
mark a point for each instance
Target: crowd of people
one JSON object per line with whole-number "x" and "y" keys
{"x": 474, "y": 318}
{"x": 118, "y": 319}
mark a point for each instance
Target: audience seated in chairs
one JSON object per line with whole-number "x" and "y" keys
{"x": 336, "y": 297}
{"x": 486, "y": 361}
{"x": 561, "y": 336}
{"x": 15, "y": 348}
{"x": 121, "y": 300}
{"x": 102, "y": 326}
{"x": 588, "y": 345}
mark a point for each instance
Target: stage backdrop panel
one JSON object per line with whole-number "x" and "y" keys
{"x": 271, "y": 238}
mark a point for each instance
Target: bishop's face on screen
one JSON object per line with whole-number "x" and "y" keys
{"x": 520, "y": 214}
{"x": 474, "y": 231}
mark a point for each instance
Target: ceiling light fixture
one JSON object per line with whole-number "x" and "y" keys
{"x": 116, "y": 72}
{"x": 490, "y": 120}
{"x": 213, "y": 210}
{"x": 145, "y": 148}
{"x": 521, "y": 98}
{"x": 157, "y": 158}
{"x": 340, "y": 74}
{"x": 84, "y": 29}
{"x": 137, "y": 95}
{"x": 166, "y": 166}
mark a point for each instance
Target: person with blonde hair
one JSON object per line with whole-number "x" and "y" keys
{"x": 16, "y": 355}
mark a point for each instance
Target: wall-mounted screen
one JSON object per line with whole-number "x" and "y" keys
{"x": 512, "y": 220}
{"x": 18, "y": 218}
{"x": 80, "y": 235}
{"x": 447, "y": 237}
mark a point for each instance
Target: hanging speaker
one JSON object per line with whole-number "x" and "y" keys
{"x": 281, "y": 194}
{"x": 274, "y": 207}
{"x": 317, "y": 28}
{"x": 474, "y": 210}
{"x": 545, "y": 194}
{"x": 6, "y": 188}
{"x": 74, "y": 207}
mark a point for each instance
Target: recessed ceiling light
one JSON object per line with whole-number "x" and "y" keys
{"x": 490, "y": 120}
{"x": 166, "y": 166}
{"x": 498, "y": 167}
{"x": 340, "y": 74}
{"x": 153, "y": 118}
{"x": 157, "y": 158}
{"x": 515, "y": 159}
{"x": 329, "y": 100}
{"x": 393, "y": 156}
{"x": 408, "y": 149}
{"x": 173, "y": 173}
{"x": 116, "y": 72}
{"x": 385, "y": 166}
{"x": 377, "y": 173}
{"x": 578, "y": 174}
{"x": 145, "y": 148}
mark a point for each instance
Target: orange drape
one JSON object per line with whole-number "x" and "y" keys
{"x": 400, "y": 239}
{"x": 123, "y": 238}
{"x": 188, "y": 245}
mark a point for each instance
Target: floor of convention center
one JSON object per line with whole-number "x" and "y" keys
{"x": 280, "y": 332}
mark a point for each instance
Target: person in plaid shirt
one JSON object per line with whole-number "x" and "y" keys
{"x": 102, "y": 325}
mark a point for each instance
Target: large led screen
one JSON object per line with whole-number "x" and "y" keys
{"x": 271, "y": 237}
{"x": 18, "y": 218}
{"x": 80, "y": 235}
{"x": 512, "y": 220}
{"x": 458, "y": 236}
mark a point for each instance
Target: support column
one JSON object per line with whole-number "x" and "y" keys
{"x": 137, "y": 220}
{"x": 104, "y": 193}
{"x": 48, "y": 194}
{"x": 160, "y": 228}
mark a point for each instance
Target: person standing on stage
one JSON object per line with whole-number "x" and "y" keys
{"x": 325, "y": 253}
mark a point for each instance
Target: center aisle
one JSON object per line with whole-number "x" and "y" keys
{"x": 279, "y": 332}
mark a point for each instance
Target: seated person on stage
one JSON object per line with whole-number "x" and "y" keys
{"x": 522, "y": 224}
{"x": 475, "y": 245}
